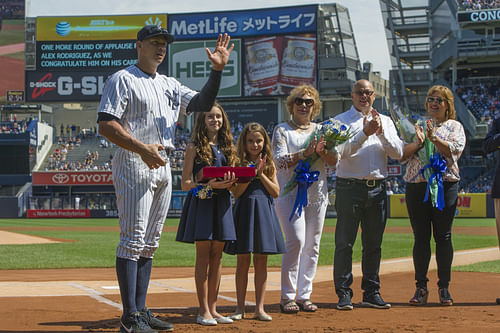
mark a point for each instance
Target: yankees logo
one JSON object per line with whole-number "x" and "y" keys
{"x": 173, "y": 97}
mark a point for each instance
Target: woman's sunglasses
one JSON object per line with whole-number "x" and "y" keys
{"x": 438, "y": 100}
{"x": 308, "y": 101}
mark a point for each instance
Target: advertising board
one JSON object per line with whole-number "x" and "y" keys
{"x": 469, "y": 205}
{"x": 104, "y": 28}
{"x": 275, "y": 65}
{"x": 63, "y": 178}
{"x": 46, "y": 86}
{"x": 258, "y": 22}
{"x": 479, "y": 16}
{"x": 189, "y": 64}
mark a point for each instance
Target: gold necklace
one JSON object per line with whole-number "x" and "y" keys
{"x": 302, "y": 127}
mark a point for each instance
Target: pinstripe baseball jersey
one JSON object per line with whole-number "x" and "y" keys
{"x": 147, "y": 106}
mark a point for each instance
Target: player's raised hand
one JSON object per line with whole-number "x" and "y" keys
{"x": 220, "y": 56}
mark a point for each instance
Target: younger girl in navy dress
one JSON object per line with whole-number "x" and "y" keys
{"x": 207, "y": 218}
{"x": 258, "y": 230}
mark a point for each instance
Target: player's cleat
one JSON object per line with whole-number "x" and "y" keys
{"x": 135, "y": 323}
{"x": 156, "y": 323}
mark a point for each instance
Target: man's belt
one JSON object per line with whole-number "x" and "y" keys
{"x": 366, "y": 182}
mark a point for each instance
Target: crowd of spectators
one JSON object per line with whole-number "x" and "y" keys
{"x": 58, "y": 160}
{"x": 481, "y": 184}
{"x": 481, "y": 99}
{"x": 10, "y": 9}
{"x": 14, "y": 126}
{"x": 478, "y": 4}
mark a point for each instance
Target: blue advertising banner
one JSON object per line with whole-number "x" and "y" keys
{"x": 269, "y": 21}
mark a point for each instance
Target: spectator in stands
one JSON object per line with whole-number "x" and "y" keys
{"x": 491, "y": 144}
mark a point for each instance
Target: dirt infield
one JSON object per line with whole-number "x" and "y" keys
{"x": 88, "y": 300}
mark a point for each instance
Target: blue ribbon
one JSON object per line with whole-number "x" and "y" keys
{"x": 438, "y": 167}
{"x": 194, "y": 191}
{"x": 304, "y": 178}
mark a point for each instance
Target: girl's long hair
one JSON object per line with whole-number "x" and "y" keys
{"x": 224, "y": 139}
{"x": 269, "y": 168}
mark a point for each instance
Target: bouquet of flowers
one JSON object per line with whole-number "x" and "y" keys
{"x": 333, "y": 132}
{"x": 434, "y": 165}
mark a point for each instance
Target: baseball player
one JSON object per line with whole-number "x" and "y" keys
{"x": 138, "y": 112}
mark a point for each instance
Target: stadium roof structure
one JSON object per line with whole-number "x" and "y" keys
{"x": 437, "y": 42}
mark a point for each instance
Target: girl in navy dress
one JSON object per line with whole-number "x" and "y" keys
{"x": 258, "y": 230}
{"x": 207, "y": 218}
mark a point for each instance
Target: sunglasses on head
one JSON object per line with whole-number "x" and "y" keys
{"x": 438, "y": 100}
{"x": 308, "y": 101}
{"x": 366, "y": 92}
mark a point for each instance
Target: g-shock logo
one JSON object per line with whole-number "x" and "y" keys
{"x": 60, "y": 178}
{"x": 43, "y": 86}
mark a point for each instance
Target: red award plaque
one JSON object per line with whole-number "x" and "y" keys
{"x": 244, "y": 174}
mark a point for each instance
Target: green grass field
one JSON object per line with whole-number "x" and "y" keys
{"x": 8, "y": 37}
{"x": 90, "y": 248}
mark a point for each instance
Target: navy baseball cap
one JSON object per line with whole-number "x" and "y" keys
{"x": 149, "y": 31}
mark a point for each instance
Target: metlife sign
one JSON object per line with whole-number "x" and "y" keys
{"x": 189, "y": 64}
{"x": 243, "y": 23}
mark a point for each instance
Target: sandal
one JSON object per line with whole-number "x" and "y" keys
{"x": 307, "y": 306}
{"x": 420, "y": 297}
{"x": 289, "y": 307}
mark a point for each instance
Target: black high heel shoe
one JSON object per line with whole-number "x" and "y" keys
{"x": 420, "y": 297}
{"x": 445, "y": 297}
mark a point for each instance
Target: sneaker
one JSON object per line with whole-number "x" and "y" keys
{"x": 135, "y": 323}
{"x": 374, "y": 300}
{"x": 345, "y": 300}
{"x": 154, "y": 322}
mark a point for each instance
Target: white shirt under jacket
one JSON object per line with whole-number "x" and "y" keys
{"x": 365, "y": 157}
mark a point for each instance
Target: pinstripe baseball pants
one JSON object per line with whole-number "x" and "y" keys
{"x": 143, "y": 197}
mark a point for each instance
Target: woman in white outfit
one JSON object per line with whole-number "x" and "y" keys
{"x": 302, "y": 232}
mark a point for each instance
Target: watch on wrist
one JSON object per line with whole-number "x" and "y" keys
{"x": 433, "y": 137}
